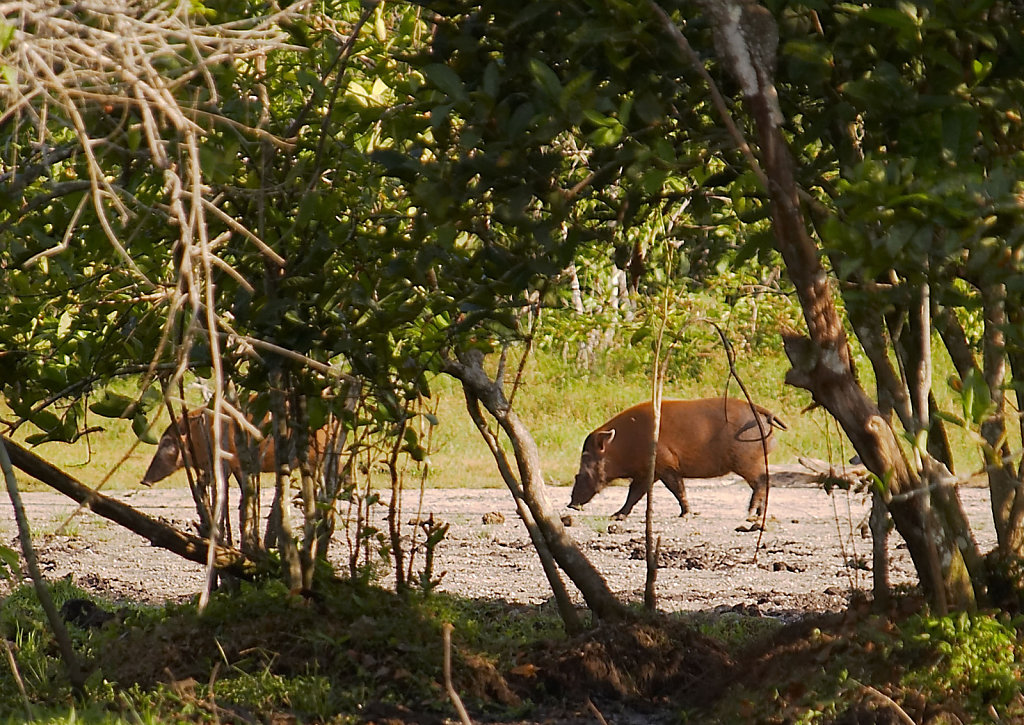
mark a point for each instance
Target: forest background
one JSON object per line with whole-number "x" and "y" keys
{"x": 305, "y": 215}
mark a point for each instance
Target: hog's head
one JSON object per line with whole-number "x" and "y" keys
{"x": 591, "y": 477}
{"x": 166, "y": 460}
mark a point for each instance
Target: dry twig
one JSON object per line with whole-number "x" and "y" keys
{"x": 446, "y": 630}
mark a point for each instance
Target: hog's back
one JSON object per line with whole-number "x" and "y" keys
{"x": 698, "y": 439}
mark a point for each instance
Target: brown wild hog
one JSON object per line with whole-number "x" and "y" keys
{"x": 199, "y": 443}
{"x": 699, "y": 439}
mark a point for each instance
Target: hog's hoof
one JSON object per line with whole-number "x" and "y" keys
{"x": 619, "y": 516}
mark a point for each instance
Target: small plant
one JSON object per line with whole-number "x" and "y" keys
{"x": 61, "y": 525}
{"x": 265, "y": 691}
{"x": 434, "y": 532}
{"x": 599, "y": 524}
{"x": 733, "y": 630}
{"x": 974, "y": 660}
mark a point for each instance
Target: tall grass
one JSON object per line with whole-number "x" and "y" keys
{"x": 561, "y": 401}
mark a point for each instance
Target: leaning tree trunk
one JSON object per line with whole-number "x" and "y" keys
{"x": 468, "y": 370}
{"x": 60, "y": 632}
{"x": 1003, "y": 477}
{"x": 746, "y": 39}
{"x": 159, "y": 533}
{"x": 1004, "y": 483}
{"x": 1015, "y": 525}
{"x": 291, "y": 562}
{"x": 547, "y": 560}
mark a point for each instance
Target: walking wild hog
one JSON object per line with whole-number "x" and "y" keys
{"x": 698, "y": 439}
{"x": 198, "y": 441}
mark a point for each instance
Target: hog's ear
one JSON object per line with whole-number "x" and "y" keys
{"x": 604, "y": 438}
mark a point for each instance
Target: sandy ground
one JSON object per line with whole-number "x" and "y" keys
{"x": 813, "y": 556}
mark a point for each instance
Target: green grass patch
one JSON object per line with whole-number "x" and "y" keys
{"x": 264, "y": 652}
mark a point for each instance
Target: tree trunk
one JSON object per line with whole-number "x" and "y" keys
{"x": 993, "y": 430}
{"x": 1003, "y": 477}
{"x": 60, "y": 632}
{"x": 1003, "y": 485}
{"x": 301, "y": 433}
{"x": 335, "y": 474}
{"x": 1015, "y": 526}
{"x": 746, "y": 40}
{"x": 158, "y": 533}
{"x": 468, "y": 369}
{"x": 395, "y": 506}
{"x": 291, "y": 565}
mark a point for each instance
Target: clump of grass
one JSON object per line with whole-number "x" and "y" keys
{"x": 732, "y": 630}
{"x": 976, "y": 660}
{"x": 265, "y": 691}
{"x": 963, "y": 663}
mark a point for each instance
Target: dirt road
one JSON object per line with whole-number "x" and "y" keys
{"x": 812, "y": 557}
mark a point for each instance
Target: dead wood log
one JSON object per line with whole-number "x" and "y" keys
{"x": 225, "y": 560}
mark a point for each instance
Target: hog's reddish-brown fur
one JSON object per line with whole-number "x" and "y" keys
{"x": 698, "y": 439}
{"x": 198, "y": 439}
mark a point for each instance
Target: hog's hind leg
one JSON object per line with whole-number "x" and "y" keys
{"x": 758, "y": 496}
{"x": 674, "y": 483}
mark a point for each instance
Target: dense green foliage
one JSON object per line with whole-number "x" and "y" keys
{"x": 499, "y": 173}
{"x": 356, "y": 651}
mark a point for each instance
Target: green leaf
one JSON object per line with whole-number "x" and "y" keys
{"x": 520, "y": 120}
{"x": 10, "y": 564}
{"x": 599, "y": 119}
{"x": 649, "y": 108}
{"x": 905, "y": 20}
{"x": 976, "y": 398}
{"x": 607, "y": 136}
{"x": 492, "y": 80}
{"x": 380, "y": 29}
{"x": 317, "y": 411}
{"x": 447, "y": 80}
{"x": 653, "y": 180}
{"x": 114, "y": 405}
{"x": 6, "y": 34}
{"x": 144, "y": 430}
{"x": 640, "y": 335}
{"x": 46, "y": 421}
{"x": 546, "y": 78}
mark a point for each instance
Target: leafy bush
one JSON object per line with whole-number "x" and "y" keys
{"x": 972, "y": 659}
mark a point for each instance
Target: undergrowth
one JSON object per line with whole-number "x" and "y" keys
{"x": 261, "y": 652}
{"x": 967, "y": 665}
{"x": 354, "y": 653}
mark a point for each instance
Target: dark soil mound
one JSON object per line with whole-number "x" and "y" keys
{"x": 644, "y": 661}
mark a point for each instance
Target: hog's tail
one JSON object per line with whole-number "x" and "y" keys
{"x": 770, "y": 418}
{"x": 776, "y": 421}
